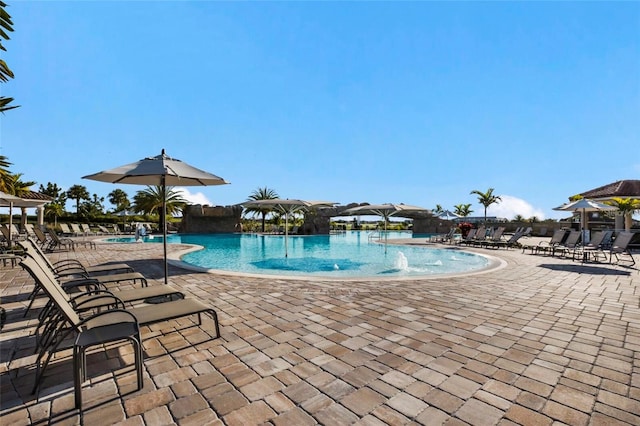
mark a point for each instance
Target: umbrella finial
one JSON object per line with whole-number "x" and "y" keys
{"x": 163, "y": 152}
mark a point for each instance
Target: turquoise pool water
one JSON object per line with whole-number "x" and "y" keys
{"x": 348, "y": 255}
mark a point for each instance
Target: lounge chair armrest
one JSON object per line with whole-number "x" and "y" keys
{"x": 110, "y": 317}
{"x": 99, "y": 301}
{"x": 88, "y": 283}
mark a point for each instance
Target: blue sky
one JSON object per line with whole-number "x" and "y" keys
{"x": 412, "y": 102}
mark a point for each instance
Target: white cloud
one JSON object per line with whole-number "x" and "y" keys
{"x": 193, "y": 198}
{"x": 510, "y": 207}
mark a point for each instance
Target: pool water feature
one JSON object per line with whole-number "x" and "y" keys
{"x": 352, "y": 254}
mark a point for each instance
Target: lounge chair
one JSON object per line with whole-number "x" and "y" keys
{"x": 481, "y": 235}
{"x": 59, "y": 242}
{"x": 125, "y": 296}
{"x": 546, "y": 246}
{"x": 620, "y": 247}
{"x": 443, "y": 238}
{"x": 87, "y": 229}
{"x": 65, "y": 229}
{"x": 104, "y": 230}
{"x": 43, "y": 238}
{"x": 593, "y": 250}
{"x": 67, "y": 267}
{"x": 511, "y": 242}
{"x": 28, "y": 227}
{"x": 11, "y": 233}
{"x": 75, "y": 228}
{"x": 568, "y": 245}
{"x": 103, "y": 328}
{"x": 469, "y": 237}
{"x": 72, "y": 275}
{"x": 494, "y": 237}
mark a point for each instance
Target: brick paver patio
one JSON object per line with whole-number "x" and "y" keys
{"x": 541, "y": 341}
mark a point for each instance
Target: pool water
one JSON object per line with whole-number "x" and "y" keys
{"x": 347, "y": 255}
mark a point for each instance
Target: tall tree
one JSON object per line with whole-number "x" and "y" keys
{"x": 78, "y": 193}
{"x": 92, "y": 207}
{"x": 6, "y": 26}
{"x": 486, "y": 199}
{"x": 119, "y": 198}
{"x": 4, "y": 174}
{"x": 627, "y": 207}
{"x": 149, "y": 201}
{"x": 463, "y": 210}
{"x": 17, "y": 186}
{"x": 262, "y": 194}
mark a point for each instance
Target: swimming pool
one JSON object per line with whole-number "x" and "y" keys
{"x": 353, "y": 254}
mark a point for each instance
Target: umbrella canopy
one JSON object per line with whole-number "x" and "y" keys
{"x": 447, "y": 215}
{"x": 162, "y": 171}
{"x": 286, "y": 207}
{"x": 583, "y": 206}
{"x": 11, "y": 201}
{"x": 385, "y": 210}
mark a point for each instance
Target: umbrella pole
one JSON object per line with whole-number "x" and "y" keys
{"x": 164, "y": 228}
{"x": 286, "y": 234}
{"x": 385, "y": 234}
{"x": 10, "y": 224}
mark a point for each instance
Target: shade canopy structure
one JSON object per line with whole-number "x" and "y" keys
{"x": 286, "y": 207}
{"x": 447, "y": 215}
{"x": 385, "y": 211}
{"x": 161, "y": 171}
{"x": 583, "y": 206}
{"x": 11, "y": 201}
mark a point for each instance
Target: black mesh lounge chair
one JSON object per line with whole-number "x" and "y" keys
{"x": 75, "y": 277}
{"x": 98, "y": 331}
{"x": 620, "y": 248}
{"x": 42, "y": 237}
{"x": 569, "y": 245}
{"x": 87, "y": 301}
{"x": 469, "y": 237}
{"x": 511, "y": 242}
{"x": 66, "y": 267}
{"x": 59, "y": 242}
{"x": 593, "y": 250}
{"x": 494, "y": 237}
{"x": 546, "y": 246}
{"x": 104, "y": 327}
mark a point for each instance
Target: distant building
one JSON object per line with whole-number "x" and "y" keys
{"x": 480, "y": 219}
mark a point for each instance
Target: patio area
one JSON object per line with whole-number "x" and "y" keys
{"x": 544, "y": 340}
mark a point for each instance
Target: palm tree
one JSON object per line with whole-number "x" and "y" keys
{"x": 463, "y": 210}
{"x": 149, "y": 201}
{"x": 262, "y": 194}
{"x": 438, "y": 210}
{"x": 16, "y": 186}
{"x": 486, "y": 199}
{"x": 518, "y": 218}
{"x": 6, "y": 25}
{"x": 54, "y": 210}
{"x": 78, "y": 193}
{"x": 627, "y": 207}
{"x": 4, "y": 173}
{"x": 119, "y": 198}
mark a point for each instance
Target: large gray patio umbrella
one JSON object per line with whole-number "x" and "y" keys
{"x": 447, "y": 215}
{"x": 286, "y": 207}
{"x": 11, "y": 201}
{"x": 583, "y": 206}
{"x": 162, "y": 171}
{"x": 385, "y": 210}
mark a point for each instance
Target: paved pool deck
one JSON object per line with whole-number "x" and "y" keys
{"x": 541, "y": 341}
